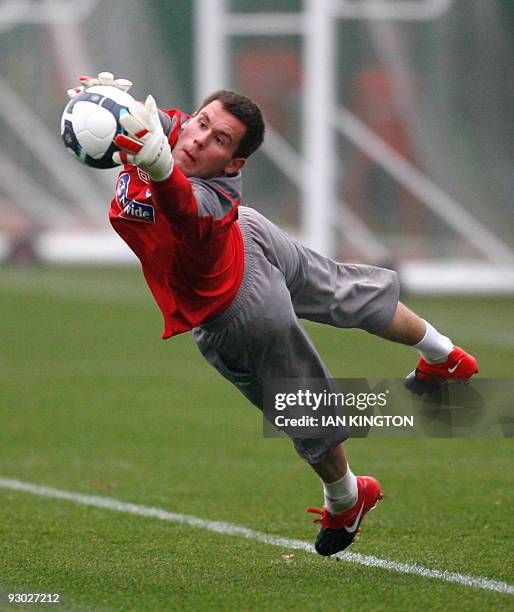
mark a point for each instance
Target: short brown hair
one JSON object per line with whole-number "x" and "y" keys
{"x": 248, "y": 113}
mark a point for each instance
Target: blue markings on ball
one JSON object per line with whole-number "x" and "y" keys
{"x": 70, "y": 140}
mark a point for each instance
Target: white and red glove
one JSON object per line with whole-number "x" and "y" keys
{"x": 146, "y": 144}
{"x": 103, "y": 78}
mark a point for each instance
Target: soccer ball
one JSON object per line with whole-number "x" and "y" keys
{"x": 90, "y": 123}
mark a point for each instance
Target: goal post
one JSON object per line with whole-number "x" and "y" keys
{"x": 325, "y": 217}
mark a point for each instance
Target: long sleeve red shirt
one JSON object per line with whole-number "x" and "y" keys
{"x": 184, "y": 232}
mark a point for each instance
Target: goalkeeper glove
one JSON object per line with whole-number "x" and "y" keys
{"x": 104, "y": 78}
{"x": 146, "y": 145}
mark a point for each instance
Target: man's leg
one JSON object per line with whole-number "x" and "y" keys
{"x": 406, "y": 327}
{"x": 366, "y": 297}
{"x": 333, "y": 466}
{"x": 440, "y": 359}
{"x": 347, "y": 499}
{"x": 264, "y": 340}
{"x": 339, "y": 483}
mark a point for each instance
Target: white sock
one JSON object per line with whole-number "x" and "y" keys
{"x": 342, "y": 494}
{"x": 434, "y": 347}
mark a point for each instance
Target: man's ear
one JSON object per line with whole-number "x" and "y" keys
{"x": 235, "y": 165}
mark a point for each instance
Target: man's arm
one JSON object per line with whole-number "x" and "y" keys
{"x": 199, "y": 210}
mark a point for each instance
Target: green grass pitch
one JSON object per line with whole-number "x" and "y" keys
{"x": 93, "y": 402}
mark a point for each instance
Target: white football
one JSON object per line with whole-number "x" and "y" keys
{"x": 90, "y": 123}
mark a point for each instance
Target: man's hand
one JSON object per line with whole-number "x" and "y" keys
{"x": 104, "y": 78}
{"x": 146, "y": 145}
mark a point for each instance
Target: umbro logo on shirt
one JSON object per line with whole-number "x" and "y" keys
{"x": 144, "y": 176}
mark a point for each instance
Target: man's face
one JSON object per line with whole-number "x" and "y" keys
{"x": 208, "y": 141}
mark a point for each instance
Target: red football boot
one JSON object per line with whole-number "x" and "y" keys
{"x": 459, "y": 366}
{"x": 338, "y": 531}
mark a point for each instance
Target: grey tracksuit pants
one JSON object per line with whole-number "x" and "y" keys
{"x": 260, "y": 336}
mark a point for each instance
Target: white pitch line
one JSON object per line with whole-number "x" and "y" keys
{"x": 235, "y": 530}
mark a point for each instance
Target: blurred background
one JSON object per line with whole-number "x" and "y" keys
{"x": 390, "y": 134}
{"x": 389, "y": 142}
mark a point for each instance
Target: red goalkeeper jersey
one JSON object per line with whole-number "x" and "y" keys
{"x": 184, "y": 233}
